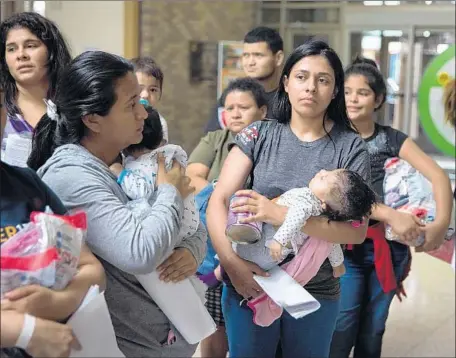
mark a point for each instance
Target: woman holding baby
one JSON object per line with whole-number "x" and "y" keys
{"x": 312, "y": 133}
{"x": 96, "y": 116}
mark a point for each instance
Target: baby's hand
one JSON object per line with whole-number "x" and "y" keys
{"x": 275, "y": 250}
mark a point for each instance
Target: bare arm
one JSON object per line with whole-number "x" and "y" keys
{"x": 49, "y": 339}
{"x": 441, "y": 185}
{"x": 334, "y": 232}
{"x": 90, "y": 272}
{"x": 198, "y": 173}
{"x": 234, "y": 173}
{"x": 11, "y": 326}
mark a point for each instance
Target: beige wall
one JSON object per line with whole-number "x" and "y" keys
{"x": 89, "y": 25}
{"x": 166, "y": 29}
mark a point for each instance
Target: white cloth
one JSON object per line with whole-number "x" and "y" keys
{"x": 138, "y": 181}
{"x": 165, "y": 129}
{"x": 302, "y": 204}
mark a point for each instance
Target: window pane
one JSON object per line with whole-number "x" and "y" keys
{"x": 313, "y": 15}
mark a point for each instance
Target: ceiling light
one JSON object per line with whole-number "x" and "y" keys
{"x": 373, "y": 3}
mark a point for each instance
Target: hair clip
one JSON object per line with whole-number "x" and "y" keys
{"x": 51, "y": 110}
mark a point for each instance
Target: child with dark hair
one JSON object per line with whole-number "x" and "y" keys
{"x": 152, "y": 134}
{"x": 340, "y": 195}
{"x": 377, "y": 268}
{"x": 150, "y": 78}
{"x": 137, "y": 176}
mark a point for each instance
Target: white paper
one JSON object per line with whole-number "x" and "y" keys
{"x": 18, "y": 149}
{"x": 287, "y": 293}
{"x": 93, "y": 292}
{"x": 181, "y": 303}
{"x": 92, "y": 326}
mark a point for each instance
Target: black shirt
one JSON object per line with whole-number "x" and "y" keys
{"x": 385, "y": 143}
{"x": 214, "y": 123}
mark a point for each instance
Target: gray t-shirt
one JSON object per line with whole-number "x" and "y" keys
{"x": 283, "y": 162}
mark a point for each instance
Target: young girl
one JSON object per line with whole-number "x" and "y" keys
{"x": 33, "y": 54}
{"x": 340, "y": 195}
{"x": 376, "y": 268}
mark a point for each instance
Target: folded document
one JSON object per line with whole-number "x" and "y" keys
{"x": 287, "y": 293}
{"x": 92, "y": 326}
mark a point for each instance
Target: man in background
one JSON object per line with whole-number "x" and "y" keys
{"x": 262, "y": 60}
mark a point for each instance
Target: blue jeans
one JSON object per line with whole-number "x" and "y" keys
{"x": 307, "y": 337}
{"x": 364, "y": 305}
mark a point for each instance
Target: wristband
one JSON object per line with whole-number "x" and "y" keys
{"x": 27, "y": 332}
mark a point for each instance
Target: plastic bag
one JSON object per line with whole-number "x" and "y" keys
{"x": 407, "y": 190}
{"x": 46, "y": 252}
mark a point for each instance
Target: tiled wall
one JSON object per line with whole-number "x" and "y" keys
{"x": 166, "y": 27}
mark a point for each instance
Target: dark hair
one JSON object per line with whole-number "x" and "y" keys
{"x": 246, "y": 84}
{"x": 86, "y": 86}
{"x": 48, "y": 33}
{"x": 337, "y": 110}
{"x": 368, "y": 68}
{"x": 148, "y": 66}
{"x": 265, "y": 34}
{"x": 152, "y": 132}
{"x": 354, "y": 198}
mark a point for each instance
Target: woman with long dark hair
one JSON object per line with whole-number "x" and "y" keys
{"x": 312, "y": 132}
{"x": 376, "y": 269}
{"x": 33, "y": 53}
{"x": 96, "y": 115}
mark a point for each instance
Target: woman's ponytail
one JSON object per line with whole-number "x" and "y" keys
{"x": 43, "y": 143}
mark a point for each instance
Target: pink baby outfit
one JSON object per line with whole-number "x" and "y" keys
{"x": 302, "y": 268}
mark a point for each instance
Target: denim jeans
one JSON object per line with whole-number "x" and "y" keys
{"x": 364, "y": 305}
{"x": 307, "y": 337}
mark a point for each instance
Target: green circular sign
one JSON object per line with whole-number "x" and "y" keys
{"x": 430, "y": 101}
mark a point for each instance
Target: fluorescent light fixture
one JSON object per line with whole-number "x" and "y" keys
{"x": 39, "y": 7}
{"x": 373, "y": 3}
{"x": 392, "y": 3}
{"x": 426, "y": 33}
{"x": 428, "y": 2}
{"x": 371, "y": 43}
{"x": 442, "y": 47}
{"x": 392, "y": 33}
{"x": 394, "y": 47}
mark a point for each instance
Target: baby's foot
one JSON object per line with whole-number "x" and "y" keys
{"x": 338, "y": 271}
